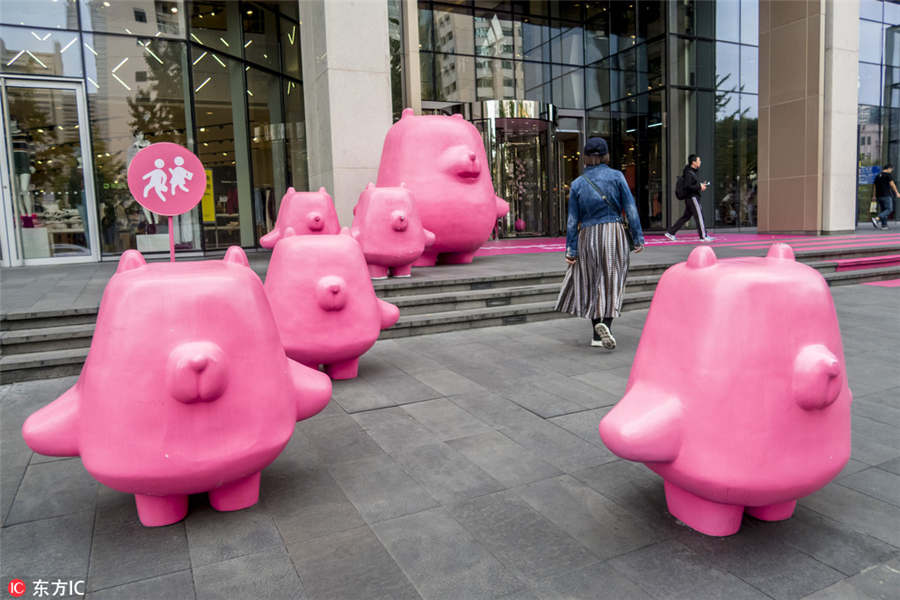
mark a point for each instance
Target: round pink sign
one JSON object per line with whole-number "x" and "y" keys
{"x": 166, "y": 178}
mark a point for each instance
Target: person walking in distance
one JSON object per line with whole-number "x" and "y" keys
{"x": 884, "y": 191}
{"x": 597, "y": 243}
{"x": 689, "y": 188}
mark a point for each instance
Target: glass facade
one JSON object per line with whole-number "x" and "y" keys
{"x": 659, "y": 80}
{"x": 878, "y": 126}
{"x": 221, "y": 78}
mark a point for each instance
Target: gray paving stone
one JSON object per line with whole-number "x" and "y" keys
{"x": 337, "y": 439}
{"x": 380, "y": 489}
{"x": 852, "y": 466}
{"x": 175, "y": 586}
{"x": 124, "y": 551}
{"x": 215, "y": 536}
{"x": 892, "y": 466}
{"x": 355, "y": 395}
{"x": 877, "y": 483}
{"x": 398, "y": 386}
{"x": 670, "y": 570}
{"x": 269, "y": 575}
{"x": 611, "y": 381}
{"x": 519, "y": 537}
{"x": 447, "y": 382}
{"x": 579, "y": 392}
{"x": 600, "y": 524}
{"x": 445, "y": 419}
{"x": 349, "y": 565}
{"x": 53, "y": 489}
{"x": 541, "y": 402}
{"x": 47, "y": 549}
{"x": 878, "y": 583}
{"x": 870, "y": 407}
{"x": 598, "y": 581}
{"x": 394, "y": 429}
{"x": 860, "y": 512}
{"x": 306, "y": 503}
{"x": 446, "y": 474}
{"x": 585, "y": 424}
{"x": 503, "y": 459}
{"x": 442, "y": 559}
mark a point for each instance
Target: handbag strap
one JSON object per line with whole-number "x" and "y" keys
{"x": 619, "y": 212}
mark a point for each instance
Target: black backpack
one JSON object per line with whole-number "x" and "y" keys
{"x": 680, "y": 192}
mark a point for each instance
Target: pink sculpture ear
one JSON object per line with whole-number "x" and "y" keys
{"x": 817, "y": 379}
{"x": 782, "y": 251}
{"x": 288, "y": 232}
{"x": 236, "y": 255}
{"x": 403, "y": 184}
{"x": 700, "y": 257}
{"x": 456, "y": 116}
{"x": 322, "y": 190}
{"x": 131, "y": 259}
{"x": 407, "y": 112}
{"x": 291, "y": 190}
{"x": 370, "y": 186}
{"x": 346, "y": 231}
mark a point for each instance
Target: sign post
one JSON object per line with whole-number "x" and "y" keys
{"x": 167, "y": 179}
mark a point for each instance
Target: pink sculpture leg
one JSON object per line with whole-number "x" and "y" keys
{"x": 346, "y": 369}
{"x": 706, "y": 516}
{"x": 428, "y": 259}
{"x": 404, "y": 271}
{"x": 773, "y": 512}
{"x": 236, "y": 495}
{"x": 457, "y": 258}
{"x": 378, "y": 271}
{"x": 156, "y": 511}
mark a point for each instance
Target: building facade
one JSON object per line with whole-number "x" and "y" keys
{"x": 86, "y": 83}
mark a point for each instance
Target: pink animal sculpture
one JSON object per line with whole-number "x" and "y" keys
{"x": 324, "y": 303}
{"x": 388, "y": 228}
{"x": 442, "y": 161}
{"x": 186, "y": 388}
{"x": 738, "y": 395}
{"x": 303, "y": 213}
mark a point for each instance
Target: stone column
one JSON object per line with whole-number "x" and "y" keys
{"x": 412, "y": 69}
{"x": 347, "y": 92}
{"x": 807, "y": 115}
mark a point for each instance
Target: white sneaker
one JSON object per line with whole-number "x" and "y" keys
{"x": 606, "y": 337}
{"x": 670, "y": 237}
{"x": 876, "y": 222}
{"x": 708, "y": 238}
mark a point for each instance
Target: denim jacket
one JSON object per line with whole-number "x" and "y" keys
{"x": 587, "y": 207}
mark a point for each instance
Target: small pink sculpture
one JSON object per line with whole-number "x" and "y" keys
{"x": 389, "y": 230}
{"x": 324, "y": 303}
{"x": 186, "y": 388}
{"x": 738, "y": 395}
{"x": 303, "y": 213}
{"x": 443, "y": 163}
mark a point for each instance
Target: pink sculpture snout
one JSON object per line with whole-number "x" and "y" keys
{"x": 331, "y": 292}
{"x": 315, "y": 221}
{"x": 197, "y": 372}
{"x": 399, "y": 220}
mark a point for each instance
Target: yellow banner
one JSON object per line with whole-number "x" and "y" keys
{"x": 208, "y": 202}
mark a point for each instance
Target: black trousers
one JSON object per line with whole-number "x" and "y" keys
{"x": 691, "y": 209}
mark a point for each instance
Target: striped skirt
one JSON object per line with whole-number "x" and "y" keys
{"x": 594, "y": 286}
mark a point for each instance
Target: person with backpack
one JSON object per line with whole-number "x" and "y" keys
{"x": 883, "y": 192}
{"x": 603, "y": 227}
{"x": 688, "y": 188}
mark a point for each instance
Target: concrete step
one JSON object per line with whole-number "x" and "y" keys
{"x": 20, "y": 341}
{"x": 49, "y": 318}
{"x": 41, "y": 365}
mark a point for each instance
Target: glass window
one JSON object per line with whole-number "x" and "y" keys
{"x": 624, "y": 75}
{"x": 266, "y": 147}
{"x": 213, "y": 25}
{"x": 870, "y": 41}
{"x": 892, "y": 13}
{"x": 651, "y": 19}
{"x": 136, "y": 96}
{"x": 290, "y": 49}
{"x": 261, "y": 36}
{"x": 892, "y": 46}
{"x": 426, "y": 75}
{"x": 650, "y": 66}
{"x": 749, "y": 69}
{"x": 869, "y": 84}
{"x": 534, "y": 40}
{"x": 291, "y": 8}
{"x": 597, "y": 85}
{"x": 534, "y": 81}
{"x": 568, "y": 88}
{"x": 596, "y": 39}
{"x": 150, "y": 18}
{"x": 725, "y": 180}
{"x": 727, "y": 66}
{"x": 453, "y": 30}
{"x": 493, "y": 35}
{"x": 728, "y": 16}
{"x": 454, "y": 78}
{"x": 870, "y": 9}
{"x": 219, "y": 93}
{"x": 426, "y": 27}
{"x": 750, "y": 22}
{"x": 42, "y": 13}
{"x": 493, "y": 79}
{"x": 566, "y": 10}
{"x": 623, "y": 27}
{"x": 40, "y": 51}
{"x": 568, "y": 46}
{"x": 295, "y": 136}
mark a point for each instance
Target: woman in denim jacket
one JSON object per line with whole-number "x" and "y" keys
{"x": 597, "y": 247}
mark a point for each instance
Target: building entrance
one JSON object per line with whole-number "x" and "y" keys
{"x": 48, "y": 212}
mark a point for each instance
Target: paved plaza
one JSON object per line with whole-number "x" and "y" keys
{"x": 468, "y": 465}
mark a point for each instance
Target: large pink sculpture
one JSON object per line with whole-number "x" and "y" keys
{"x": 738, "y": 395}
{"x": 388, "y": 228}
{"x": 303, "y": 213}
{"x": 186, "y": 388}
{"x": 443, "y": 163}
{"x": 324, "y": 303}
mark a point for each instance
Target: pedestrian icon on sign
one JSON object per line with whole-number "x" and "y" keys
{"x": 157, "y": 180}
{"x": 179, "y": 175}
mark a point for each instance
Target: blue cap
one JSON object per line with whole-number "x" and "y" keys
{"x": 596, "y": 145}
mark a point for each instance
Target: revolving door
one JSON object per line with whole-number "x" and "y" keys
{"x": 520, "y": 140}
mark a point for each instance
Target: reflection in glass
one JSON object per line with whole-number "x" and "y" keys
{"x": 727, "y": 66}
{"x": 623, "y": 27}
{"x": 60, "y": 14}
{"x": 652, "y": 19}
{"x": 597, "y": 82}
{"x": 426, "y": 28}
{"x": 494, "y": 79}
{"x": 749, "y": 69}
{"x": 750, "y": 22}
{"x": 260, "y": 36}
{"x": 728, "y": 16}
{"x": 568, "y": 88}
{"x": 870, "y": 41}
{"x": 295, "y": 136}
{"x": 534, "y": 40}
{"x": 426, "y": 75}
{"x": 48, "y": 180}
{"x": 533, "y": 83}
{"x": 493, "y": 35}
{"x": 39, "y": 51}
{"x": 215, "y": 24}
{"x": 138, "y": 17}
{"x": 568, "y": 45}
{"x": 290, "y": 49}
{"x": 136, "y": 96}
{"x": 869, "y": 84}
{"x": 596, "y": 39}
{"x": 454, "y": 78}
{"x": 870, "y": 9}
{"x": 266, "y": 147}
{"x": 453, "y": 31}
